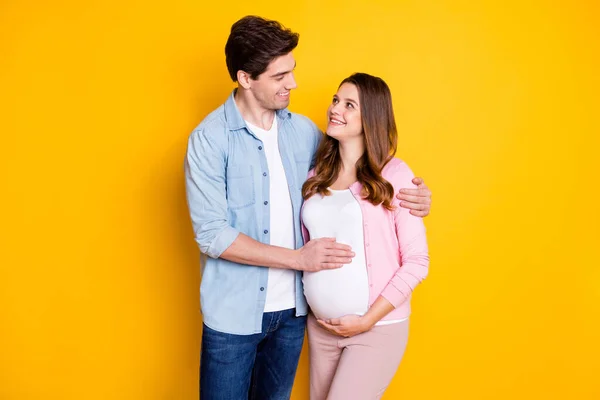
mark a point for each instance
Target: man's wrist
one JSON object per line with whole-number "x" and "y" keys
{"x": 293, "y": 260}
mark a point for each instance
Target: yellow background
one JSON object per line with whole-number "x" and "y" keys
{"x": 497, "y": 105}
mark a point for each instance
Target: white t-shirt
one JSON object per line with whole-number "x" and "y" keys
{"x": 337, "y": 292}
{"x": 281, "y": 288}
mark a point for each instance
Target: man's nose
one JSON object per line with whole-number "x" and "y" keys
{"x": 291, "y": 83}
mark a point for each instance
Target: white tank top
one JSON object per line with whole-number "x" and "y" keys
{"x": 337, "y": 292}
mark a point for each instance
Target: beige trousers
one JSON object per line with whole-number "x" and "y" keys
{"x": 356, "y": 368}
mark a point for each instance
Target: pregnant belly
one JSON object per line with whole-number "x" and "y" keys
{"x": 337, "y": 292}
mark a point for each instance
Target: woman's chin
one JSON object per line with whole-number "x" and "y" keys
{"x": 334, "y": 133}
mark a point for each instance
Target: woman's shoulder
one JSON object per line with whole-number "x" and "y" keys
{"x": 398, "y": 173}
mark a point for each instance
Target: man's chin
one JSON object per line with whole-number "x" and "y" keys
{"x": 283, "y": 104}
{"x": 279, "y": 105}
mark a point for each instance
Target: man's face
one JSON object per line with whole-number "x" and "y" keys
{"x": 272, "y": 88}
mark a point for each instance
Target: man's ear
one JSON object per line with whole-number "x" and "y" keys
{"x": 243, "y": 79}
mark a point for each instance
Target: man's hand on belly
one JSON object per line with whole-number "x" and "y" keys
{"x": 323, "y": 253}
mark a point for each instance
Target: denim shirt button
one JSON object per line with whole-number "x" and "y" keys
{"x": 262, "y": 289}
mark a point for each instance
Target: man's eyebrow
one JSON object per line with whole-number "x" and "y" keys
{"x": 283, "y": 72}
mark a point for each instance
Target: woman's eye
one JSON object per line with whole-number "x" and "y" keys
{"x": 350, "y": 105}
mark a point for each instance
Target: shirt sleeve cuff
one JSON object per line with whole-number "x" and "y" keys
{"x": 223, "y": 240}
{"x": 395, "y": 295}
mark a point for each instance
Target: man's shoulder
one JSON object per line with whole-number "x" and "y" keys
{"x": 210, "y": 135}
{"x": 307, "y": 132}
{"x": 212, "y": 129}
{"x": 302, "y": 121}
{"x": 215, "y": 121}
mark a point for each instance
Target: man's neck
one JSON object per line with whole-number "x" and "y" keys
{"x": 251, "y": 111}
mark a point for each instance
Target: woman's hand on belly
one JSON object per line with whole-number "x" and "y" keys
{"x": 346, "y": 326}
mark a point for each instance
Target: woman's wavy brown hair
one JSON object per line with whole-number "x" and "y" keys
{"x": 380, "y": 136}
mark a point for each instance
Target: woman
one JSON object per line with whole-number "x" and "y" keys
{"x": 358, "y": 326}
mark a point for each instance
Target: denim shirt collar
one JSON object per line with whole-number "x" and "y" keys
{"x": 234, "y": 118}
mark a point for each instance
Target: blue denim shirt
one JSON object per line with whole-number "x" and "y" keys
{"x": 227, "y": 185}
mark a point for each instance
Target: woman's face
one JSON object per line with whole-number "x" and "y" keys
{"x": 344, "y": 114}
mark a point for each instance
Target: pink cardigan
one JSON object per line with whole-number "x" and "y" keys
{"x": 395, "y": 244}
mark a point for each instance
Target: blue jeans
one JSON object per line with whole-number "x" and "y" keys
{"x": 260, "y": 366}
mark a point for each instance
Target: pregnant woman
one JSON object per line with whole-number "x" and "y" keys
{"x": 358, "y": 326}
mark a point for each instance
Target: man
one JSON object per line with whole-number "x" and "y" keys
{"x": 245, "y": 166}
